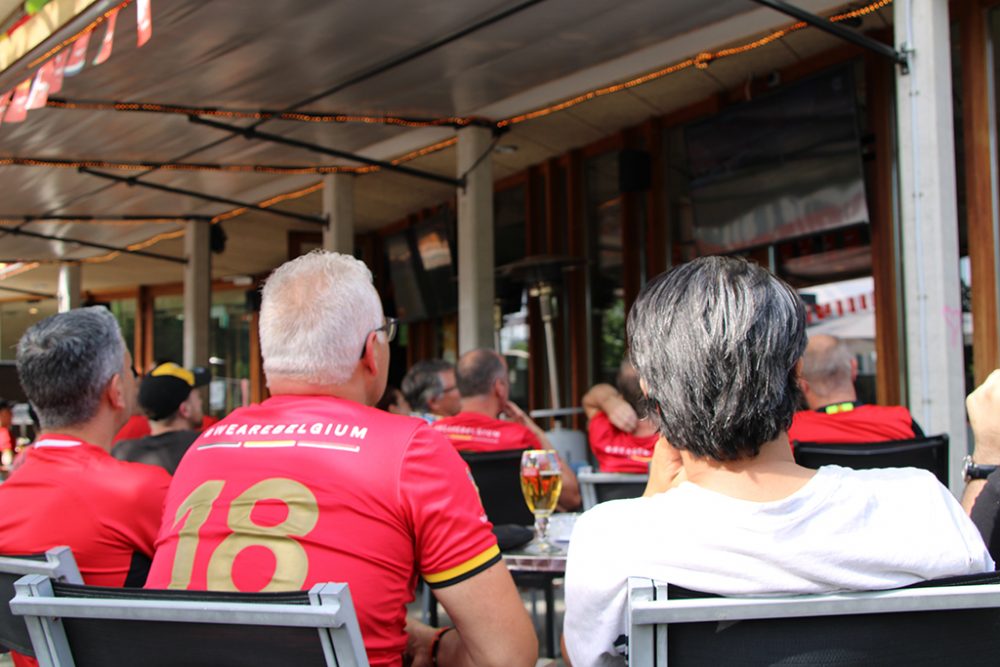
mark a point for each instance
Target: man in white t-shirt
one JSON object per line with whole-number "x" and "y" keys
{"x": 717, "y": 343}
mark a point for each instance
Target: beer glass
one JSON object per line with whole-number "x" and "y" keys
{"x": 541, "y": 482}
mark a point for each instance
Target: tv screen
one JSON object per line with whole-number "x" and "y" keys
{"x": 409, "y": 300}
{"x": 434, "y": 248}
{"x": 778, "y": 167}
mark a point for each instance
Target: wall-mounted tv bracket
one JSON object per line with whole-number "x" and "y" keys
{"x": 901, "y": 57}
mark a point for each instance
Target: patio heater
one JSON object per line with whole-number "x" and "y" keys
{"x": 541, "y": 275}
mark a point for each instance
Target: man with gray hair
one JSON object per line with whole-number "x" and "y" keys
{"x": 431, "y": 390}
{"x": 316, "y": 485}
{"x": 835, "y": 414}
{"x": 717, "y": 343}
{"x": 77, "y": 373}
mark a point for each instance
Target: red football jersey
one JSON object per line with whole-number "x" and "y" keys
{"x": 473, "y": 432}
{"x": 301, "y": 490}
{"x": 74, "y": 493}
{"x": 864, "y": 423}
{"x": 618, "y": 451}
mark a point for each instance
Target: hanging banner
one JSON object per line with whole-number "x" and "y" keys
{"x": 144, "y": 21}
{"x": 58, "y": 71}
{"x": 18, "y": 111}
{"x": 109, "y": 39}
{"x": 39, "y": 93}
{"x": 78, "y": 55}
{"x": 4, "y": 103}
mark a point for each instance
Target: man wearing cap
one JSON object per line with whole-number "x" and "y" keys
{"x": 170, "y": 398}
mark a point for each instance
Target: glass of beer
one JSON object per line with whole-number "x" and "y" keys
{"x": 541, "y": 482}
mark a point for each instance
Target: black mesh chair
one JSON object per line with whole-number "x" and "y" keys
{"x": 56, "y": 563}
{"x": 943, "y": 622}
{"x": 72, "y": 624}
{"x": 498, "y": 476}
{"x": 930, "y": 453}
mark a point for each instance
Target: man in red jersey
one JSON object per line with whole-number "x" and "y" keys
{"x": 482, "y": 380}
{"x": 77, "y": 373}
{"x": 620, "y": 433}
{"x": 834, "y": 414}
{"x": 314, "y": 485}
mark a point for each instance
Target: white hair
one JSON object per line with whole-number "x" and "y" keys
{"x": 316, "y": 313}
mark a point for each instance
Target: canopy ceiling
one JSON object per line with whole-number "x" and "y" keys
{"x": 487, "y": 59}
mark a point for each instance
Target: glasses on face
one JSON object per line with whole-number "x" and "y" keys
{"x": 390, "y": 328}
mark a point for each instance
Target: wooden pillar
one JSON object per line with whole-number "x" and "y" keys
{"x": 889, "y": 376}
{"x": 980, "y": 174}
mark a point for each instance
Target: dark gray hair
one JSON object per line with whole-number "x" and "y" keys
{"x": 422, "y": 383}
{"x": 477, "y": 370}
{"x": 66, "y": 361}
{"x": 716, "y": 341}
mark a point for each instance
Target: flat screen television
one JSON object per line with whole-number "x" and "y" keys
{"x": 781, "y": 166}
{"x": 403, "y": 268}
{"x": 433, "y": 238}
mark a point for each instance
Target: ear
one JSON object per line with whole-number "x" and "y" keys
{"x": 644, "y": 387}
{"x": 369, "y": 360}
{"x": 184, "y": 409}
{"x": 115, "y": 392}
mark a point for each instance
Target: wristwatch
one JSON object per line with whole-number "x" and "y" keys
{"x": 972, "y": 470}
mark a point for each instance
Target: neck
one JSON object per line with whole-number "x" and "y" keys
{"x": 161, "y": 427}
{"x": 817, "y": 401}
{"x": 352, "y": 390}
{"x": 98, "y": 431}
{"x": 771, "y": 475}
{"x": 481, "y": 405}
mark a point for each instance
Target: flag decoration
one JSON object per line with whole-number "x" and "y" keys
{"x": 108, "y": 42}
{"x": 33, "y": 93}
{"x": 144, "y": 22}
{"x": 18, "y": 110}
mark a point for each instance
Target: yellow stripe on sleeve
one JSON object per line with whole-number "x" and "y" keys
{"x": 473, "y": 563}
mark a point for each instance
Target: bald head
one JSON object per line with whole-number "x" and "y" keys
{"x": 477, "y": 371}
{"x": 829, "y": 369}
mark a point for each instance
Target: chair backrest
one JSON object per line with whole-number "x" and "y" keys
{"x": 90, "y": 625}
{"x": 498, "y": 476}
{"x": 929, "y": 625}
{"x": 599, "y": 487}
{"x": 56, "y": 563}
{"x": 571, "y": 445}
{"x": 930, "y": 453}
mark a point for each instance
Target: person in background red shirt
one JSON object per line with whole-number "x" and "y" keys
{"x": 77, "y": 373}
{"x": 483, "y": 381}
{"x": 620, "y": 432}
{"x": 835, "y": 415}
{"x": 6, "y": 439}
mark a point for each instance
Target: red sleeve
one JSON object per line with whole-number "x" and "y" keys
{"x": 145, "y": 511}
{"x": 454, "y": 540}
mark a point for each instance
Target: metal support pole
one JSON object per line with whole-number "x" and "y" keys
{"x": 130, "y": 181}
{"x": 338, "y": 207}
{"x": 932, "y": 297}
{"x": 475, "y": 241}
{"x": 197, "y": 294}
{"x": 70, "y": 284}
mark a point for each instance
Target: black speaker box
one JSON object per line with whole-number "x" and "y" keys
{"x": 634, "y": 171}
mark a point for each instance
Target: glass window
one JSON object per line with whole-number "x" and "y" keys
{"x": 604, "y": 225}
{"x": 124, "y": 312}
{"x": 509, "y": 246}
{"x": 16, "y": 317}
{"x": 229, "y": 345}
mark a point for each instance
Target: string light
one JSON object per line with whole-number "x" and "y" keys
{"x": 300, "y": 116}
